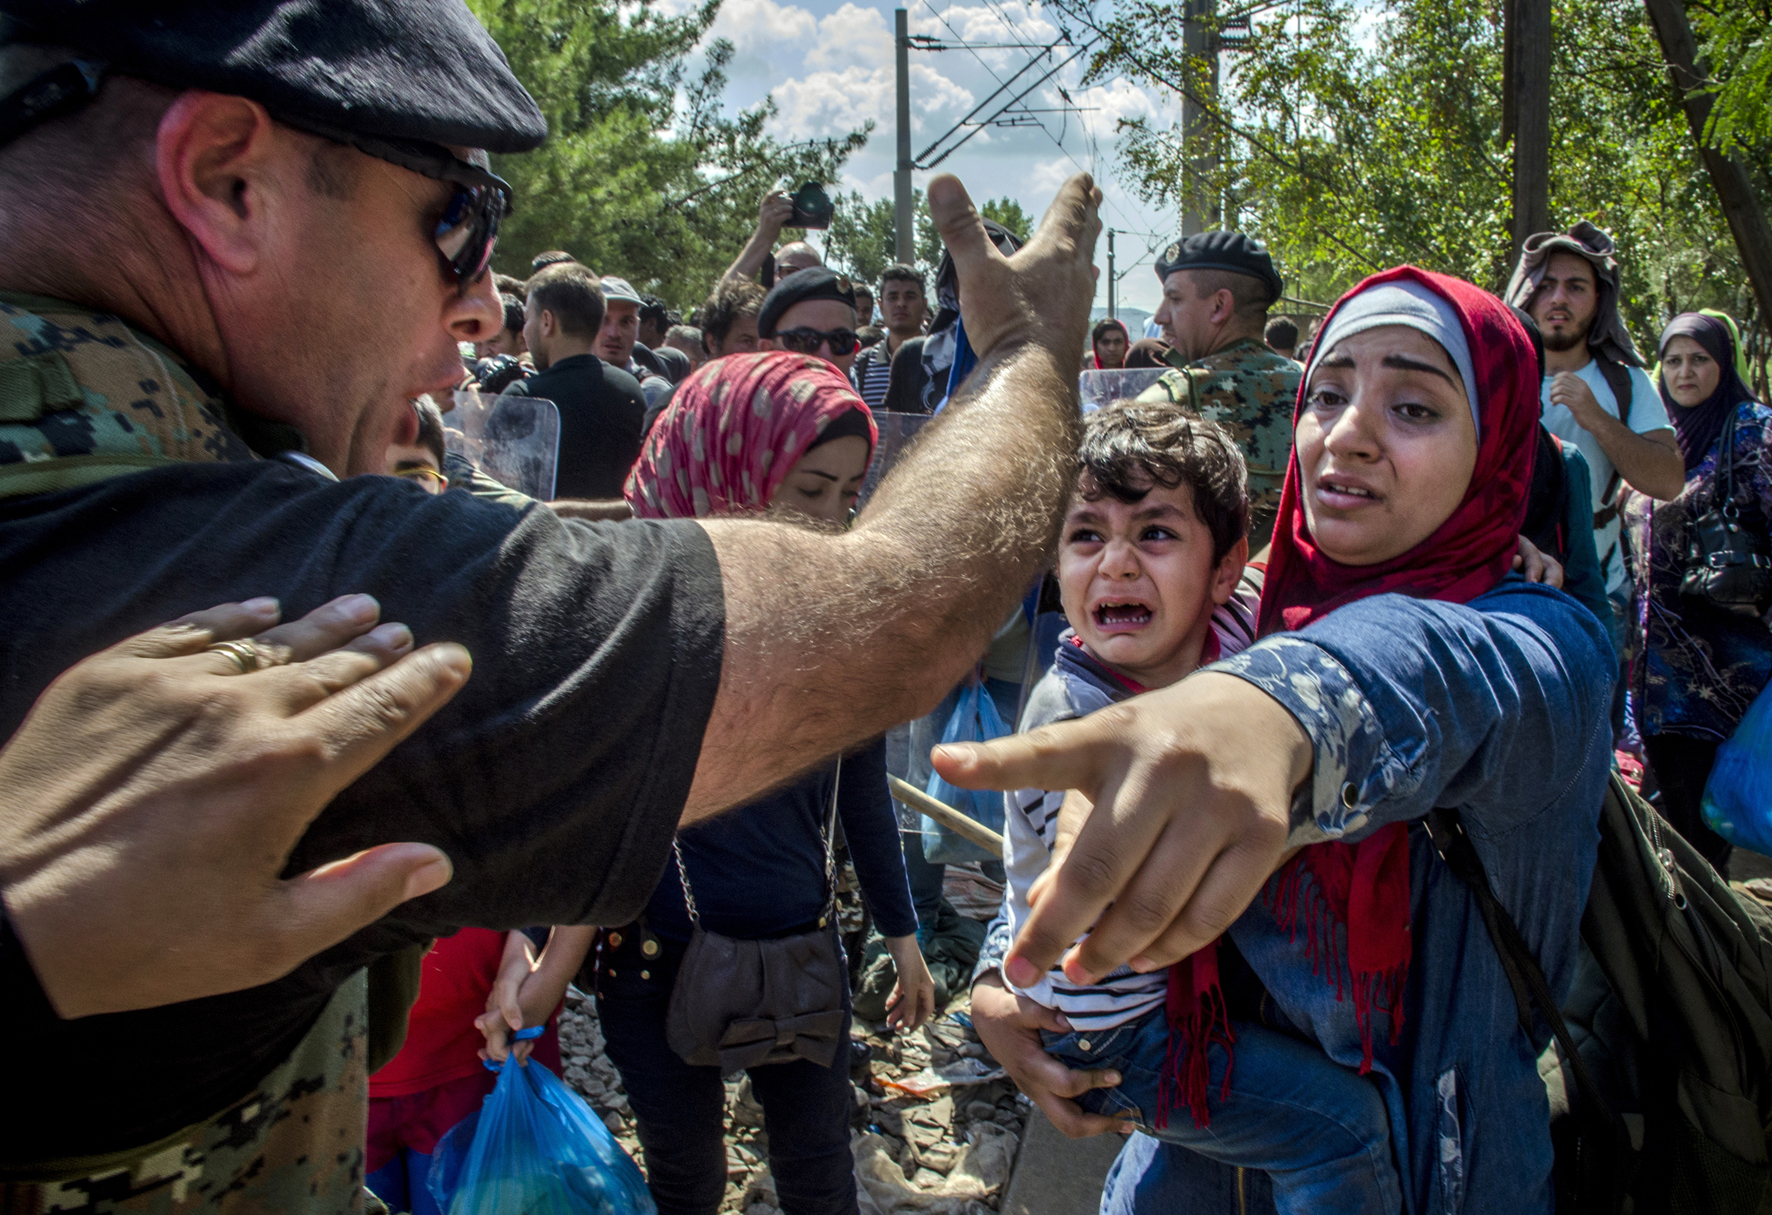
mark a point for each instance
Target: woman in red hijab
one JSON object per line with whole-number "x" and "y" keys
{"x": 1419, "y": 674}
{"x": 787, "y": 435}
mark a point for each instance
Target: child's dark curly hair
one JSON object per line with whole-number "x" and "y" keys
{"x": 1131, "y": 446}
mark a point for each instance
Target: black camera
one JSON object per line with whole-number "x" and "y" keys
{"x": 813, "y": 208}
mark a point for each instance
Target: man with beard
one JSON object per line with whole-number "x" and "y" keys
{"x": 1595, "y": 392}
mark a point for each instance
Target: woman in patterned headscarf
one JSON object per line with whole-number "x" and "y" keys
{"x": 779, "y": 434}
{"x": 1701, "y": 666}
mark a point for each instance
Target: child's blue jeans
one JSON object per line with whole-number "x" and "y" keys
{"x": 1317, "y": 1129}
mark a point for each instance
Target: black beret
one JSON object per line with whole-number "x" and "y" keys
{"x": 816, "y": 283}
{"x": 389, "y": 69}
{"x": 1222, "y": 251}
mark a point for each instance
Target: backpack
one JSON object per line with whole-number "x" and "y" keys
{"x": 1660, "y": 1072}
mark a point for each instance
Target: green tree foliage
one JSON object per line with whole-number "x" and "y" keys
{"x": 1008, "y": 212}
{"x": 644, "y": 173}
{"x": 1737, "y": 45}
{"x": 1350, "y": 139}
{"x": 863, "y": 237}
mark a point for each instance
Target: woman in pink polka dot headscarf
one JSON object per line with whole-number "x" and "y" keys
{"x": 749, "y": 429}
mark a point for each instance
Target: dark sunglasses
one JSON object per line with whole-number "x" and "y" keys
{"x": 807, "y": 341}
{"x": 468, "y": 227}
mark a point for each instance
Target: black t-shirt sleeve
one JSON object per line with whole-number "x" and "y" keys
{"x": 555, "y": 778}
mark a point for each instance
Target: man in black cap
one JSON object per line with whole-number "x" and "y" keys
{"x": 812, "y": 312}
{"x": 192, "y": 200}
{"x": 1217, "y": 289}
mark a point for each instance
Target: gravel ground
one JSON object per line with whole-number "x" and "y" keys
{"x": 945, "y": 1150}
{"x": 922, "y": 1143}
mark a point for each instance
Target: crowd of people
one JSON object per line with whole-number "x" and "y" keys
{"x": 284, "y": 880}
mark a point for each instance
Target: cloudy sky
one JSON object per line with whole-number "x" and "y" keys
{"x": 829, "y": 65}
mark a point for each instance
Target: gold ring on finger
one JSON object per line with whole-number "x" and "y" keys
{"x": 245, "y": 655}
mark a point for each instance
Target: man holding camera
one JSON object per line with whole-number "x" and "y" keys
{"x": 810, "y": 207}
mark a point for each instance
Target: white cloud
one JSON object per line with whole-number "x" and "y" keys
{"x": 767, "y": 37}
{"x": 852, "y": 35}
{"x": 830, "y": 66}
{"x": 831, "y": 102}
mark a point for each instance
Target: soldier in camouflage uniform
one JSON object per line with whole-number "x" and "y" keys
{"x": 235, "y": 242}
{"x": 86, "y": 398}
{"x": 1217, "y": 289}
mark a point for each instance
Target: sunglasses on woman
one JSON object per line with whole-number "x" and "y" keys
{"x": 807, "y": 341}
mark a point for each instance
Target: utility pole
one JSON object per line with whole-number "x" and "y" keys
{"x": 1747, "y": 223}
{"x": 903, "y": 208}
{"x": 1199, "y": 39}
{"x": 1525, "y": 111}
{"x": 1113, "y": 283}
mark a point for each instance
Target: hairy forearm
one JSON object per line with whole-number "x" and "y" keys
{"x": 1647, "y": 465}
{"x": 750, "y": 258}
{"x": 593, "y": 510}
{"x": 831, "y": 639}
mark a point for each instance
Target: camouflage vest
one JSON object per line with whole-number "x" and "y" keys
{"x": 294, "y": 1144}
{"x": 83, "y": 397}
{"x": 1250, "y": 391}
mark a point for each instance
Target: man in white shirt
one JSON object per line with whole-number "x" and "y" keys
{"x": 1569, "y": 283}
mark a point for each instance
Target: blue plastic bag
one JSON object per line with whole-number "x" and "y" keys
{"x": 975, "y": 719}
{"x": 535, "y": 1148}
{"x": 1738, "y": 795}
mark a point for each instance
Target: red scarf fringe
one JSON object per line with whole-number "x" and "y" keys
{"x": 1362, "y": 889}
{"x": 1197, "y": 1019}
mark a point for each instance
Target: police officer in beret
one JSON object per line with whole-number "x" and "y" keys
{"x": 235, "y": 242}
{"x": 812, "y": 312}
{"x": 1217, "y": 289}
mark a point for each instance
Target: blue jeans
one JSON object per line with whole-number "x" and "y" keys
{"x": 1317, "y": 1129}
{"x": 680, "y": 1110}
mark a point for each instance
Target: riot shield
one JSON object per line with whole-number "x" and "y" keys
{"x": 897, "y": 430}
{"x": 1097, "y": 388}
{"x": 513, "y": 440}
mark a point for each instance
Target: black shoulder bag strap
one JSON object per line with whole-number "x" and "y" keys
{"x": 1617, "y": 377}
{"x": 1524, "y": 975}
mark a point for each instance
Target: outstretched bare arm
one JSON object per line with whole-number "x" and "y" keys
{"x": 830, "y": 639}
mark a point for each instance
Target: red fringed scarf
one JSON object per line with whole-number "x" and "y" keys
{"x": 1360, "y": 891}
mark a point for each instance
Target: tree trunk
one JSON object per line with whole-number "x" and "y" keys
{"x": 1526, "y": 113}
{"x": 1747, "y": 221}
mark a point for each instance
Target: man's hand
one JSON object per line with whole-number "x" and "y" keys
{"x": 1572, "y": 393}
{"x": 1192, "y": 790}
{"x": 1650, "y": 462}
{"x": 1009, "y": 1026}
{"x": 151, "y": 799}
{"x": 1045, "y": 289}
{"x": 773, "y": 213}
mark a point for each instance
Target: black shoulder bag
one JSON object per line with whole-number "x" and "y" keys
{"x": 1728, "y": 564}
{"x": 739, "y": 1004}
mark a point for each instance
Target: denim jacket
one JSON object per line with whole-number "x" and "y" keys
{"x": 1498, "y": 708}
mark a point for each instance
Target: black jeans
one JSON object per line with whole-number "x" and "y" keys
{"x": 1681, "y": 765}
{"x": 680, "y": 1110}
